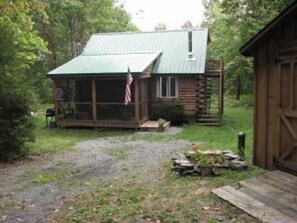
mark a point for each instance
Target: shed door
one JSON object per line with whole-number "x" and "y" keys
{"x": 287, "y": 114}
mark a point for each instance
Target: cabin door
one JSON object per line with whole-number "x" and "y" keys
{"x": 287, "y": 114}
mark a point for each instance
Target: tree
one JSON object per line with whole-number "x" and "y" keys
{"x": 20, "y": 47}
{"x": 71, "y": 22}
{"x": 187, "y": 25}
{"x": 66, "y": 30}
{"x": 160, "y": 26}
{"x": 231, "y": 24}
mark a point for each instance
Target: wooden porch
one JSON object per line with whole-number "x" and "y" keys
{"x": 99, "y": 102}
{"x": 271, "y": 197}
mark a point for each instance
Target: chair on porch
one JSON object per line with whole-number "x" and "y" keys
{"x": 50, "y": 113}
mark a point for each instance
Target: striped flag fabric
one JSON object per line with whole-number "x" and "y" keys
{"x": 128, "y": 89}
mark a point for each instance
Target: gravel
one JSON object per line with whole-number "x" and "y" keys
{"x": 77, "y": 170}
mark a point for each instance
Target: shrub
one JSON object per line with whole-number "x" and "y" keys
{"x": 170, "y": 111}
{"x": 247, "y": 100}
{"x": 16, "y": 125}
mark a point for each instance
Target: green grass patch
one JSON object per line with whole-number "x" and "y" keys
{"x": 45, "y": 179}
{"x": 235, "y": 120}
{"x": 54, "y": 140}
{"x": 119, "y": 153}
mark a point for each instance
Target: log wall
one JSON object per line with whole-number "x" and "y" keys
{"x": 187, "y": 94}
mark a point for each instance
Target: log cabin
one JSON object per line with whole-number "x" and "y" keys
{"x": 166, "y": 66}
{"x": 274, "y": 52}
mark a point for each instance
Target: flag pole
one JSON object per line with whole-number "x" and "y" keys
{"x": 129, "y": 80}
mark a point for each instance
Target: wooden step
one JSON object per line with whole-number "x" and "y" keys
{"x": 209, "y": 124}
{"x": 153, "y": 126}
{"x": 208, "y": 120}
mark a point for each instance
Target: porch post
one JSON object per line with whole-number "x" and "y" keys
{"x": 55, "y": 101}
{"x": 136, "y": 95}
{"x": 94, "y": 106}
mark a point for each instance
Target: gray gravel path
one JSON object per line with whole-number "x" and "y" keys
{"x": 77, "y": 170}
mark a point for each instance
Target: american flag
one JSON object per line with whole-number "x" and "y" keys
{"x": 128, "y": 91}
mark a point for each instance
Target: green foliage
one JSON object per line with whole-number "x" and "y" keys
{"x": 247, "y": 100}
{"x": 202, "y": 158}
{"x": 71, "y": 22}
{"x": 170, "y": 111}
{"x": 160, "y": 26}
{"x": 235, "y": 120}
{"x": 20, "y": 48}
{"x": 16, "y": 125}
{"x": 231, "y": 24}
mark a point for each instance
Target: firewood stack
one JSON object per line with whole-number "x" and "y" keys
{"x": 204, "y": 163}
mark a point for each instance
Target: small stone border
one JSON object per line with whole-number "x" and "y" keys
{"x": 188, "y": 166}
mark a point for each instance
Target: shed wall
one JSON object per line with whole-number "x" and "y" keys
{"x": 266, "y": 54}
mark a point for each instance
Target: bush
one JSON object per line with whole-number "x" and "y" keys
{"x": 246, "y": 101}
{"x": 16, "y": 126}
{"x": 170, "y": 111}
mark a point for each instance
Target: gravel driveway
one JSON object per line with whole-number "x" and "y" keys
{"x": 24, "y": 197}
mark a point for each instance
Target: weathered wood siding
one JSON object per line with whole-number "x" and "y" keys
{"x": 269, "y": 132}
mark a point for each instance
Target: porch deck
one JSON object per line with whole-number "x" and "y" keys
{"x": 271, "y": 197}
{"x": 153, "y": 126}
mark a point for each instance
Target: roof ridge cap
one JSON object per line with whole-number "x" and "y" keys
{"x": 147, "y": 32}
{"x": 120, "y": 53}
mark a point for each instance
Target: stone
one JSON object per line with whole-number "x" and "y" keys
{"x": 238, "y": 164}
{"x": 218, "y": 170}
{"x": 189, "y": 154}
{"x": 205, "y": 170}
{"x": 231, "y": 156}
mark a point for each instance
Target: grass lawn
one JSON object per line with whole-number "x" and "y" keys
{"x": 235, "y": 120}
{"x": 169, "y": 197}
{"x": 54, "y": 140}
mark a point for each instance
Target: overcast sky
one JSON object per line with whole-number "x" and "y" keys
{"x": 146, "y": 14}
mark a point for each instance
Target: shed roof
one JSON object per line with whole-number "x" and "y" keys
{"x": 247, "y": 48}
{"x": 112, "y": 52}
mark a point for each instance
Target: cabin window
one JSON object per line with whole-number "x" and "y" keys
{"x": 167, "y": 87}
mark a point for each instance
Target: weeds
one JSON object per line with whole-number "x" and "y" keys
{"x": 119, "y": 153}
{"x": 45, "y": 179}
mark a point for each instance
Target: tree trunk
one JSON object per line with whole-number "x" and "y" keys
{"x": 238, "y": 88}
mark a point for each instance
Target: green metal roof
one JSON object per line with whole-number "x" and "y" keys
{"x": 107, "y": 64}
{"x": 112, "y": 52}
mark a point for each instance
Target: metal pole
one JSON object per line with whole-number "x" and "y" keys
{"x": 241, "y": 145}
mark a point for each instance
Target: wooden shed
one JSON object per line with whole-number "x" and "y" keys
{"x": 274, "y": 50}
{"x": 166, "y": 66}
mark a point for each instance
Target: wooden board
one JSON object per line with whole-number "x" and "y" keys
{"x": 252, "y": 206}
{"x": 153, "y": 126}
{"x": 269, "y": 194}
{"x": 270, "y": 197}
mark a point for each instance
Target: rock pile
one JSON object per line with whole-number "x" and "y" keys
{"x": 203, "y": 163}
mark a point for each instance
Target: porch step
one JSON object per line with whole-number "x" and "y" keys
{"x": 153, "y": 126}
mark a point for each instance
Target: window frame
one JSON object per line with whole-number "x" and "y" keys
{"x": 168, "y": 79}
